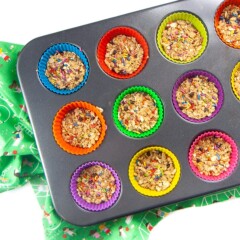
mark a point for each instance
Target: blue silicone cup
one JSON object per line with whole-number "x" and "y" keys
{"x": 42, "y": 66}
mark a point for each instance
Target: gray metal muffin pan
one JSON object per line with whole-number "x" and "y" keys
{"x": 117, "y": 150}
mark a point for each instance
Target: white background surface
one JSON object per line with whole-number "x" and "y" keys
{"x": 20, "y": 215}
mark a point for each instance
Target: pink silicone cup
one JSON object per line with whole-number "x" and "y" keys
{"x": 91, "y": 206}
{"x": 233, "y": 160}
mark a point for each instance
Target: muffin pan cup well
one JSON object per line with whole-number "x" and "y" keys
{"x": 101, "y": 90}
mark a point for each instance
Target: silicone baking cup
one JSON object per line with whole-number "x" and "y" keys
{"x": 57, "y": 128}
{"x": 217, "y": 18}
{"x": 91, "y": 206}
{"x": 148, "y": 192}
{"x": 236, "y": 68}
{"x": 192, "y": 74}
{"x": 195, "y": 21}
{"x": 101, "y": 50}
{"x": 42, "y": 66}
{"x": 159, "y": 105}
{"x": 233, "y": 157}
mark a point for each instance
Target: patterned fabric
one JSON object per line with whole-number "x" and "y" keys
{"x": 20, "y": 163}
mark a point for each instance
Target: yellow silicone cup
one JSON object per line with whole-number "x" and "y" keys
{"x": 148, "y": 192}
{"x": 195, "y": 21}
{"x": 237, "y": 67}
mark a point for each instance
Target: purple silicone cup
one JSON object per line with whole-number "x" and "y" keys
{"x": 91, "y": 206}
{"x": 192, "y": 74}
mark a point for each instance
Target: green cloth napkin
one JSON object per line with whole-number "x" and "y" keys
{"x": 20, "y": 163}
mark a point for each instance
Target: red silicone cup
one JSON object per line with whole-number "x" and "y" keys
{"x": 233, "y": 158}
{"x": 107, "y": 37}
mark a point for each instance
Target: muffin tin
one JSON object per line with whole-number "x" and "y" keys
{"x": 175, "y": 133}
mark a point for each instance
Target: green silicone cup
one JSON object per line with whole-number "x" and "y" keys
{"x": 195, "y": 21}
{"x": 159, "y": 105}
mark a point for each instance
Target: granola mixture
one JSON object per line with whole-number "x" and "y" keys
{"x": 138, "y": 112}
{"x": 65, "y": 70}
{"x": 123, "y": 54}
{"x": 229, "y": 25}
{"x": 96, "y": 184}
{"x": 237, "y": 81}
{"x": 211, "y": 155}
{"x": 81, "y": 128}
{"x": 181, "y": 40}
{"x": 154, "y": 170}
{"x": 197, "y": 97}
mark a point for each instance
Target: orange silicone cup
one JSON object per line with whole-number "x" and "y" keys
{"x": 107, "y": 37}
{"x": 57, "y": 128}
{"x": 217, "y": 17}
